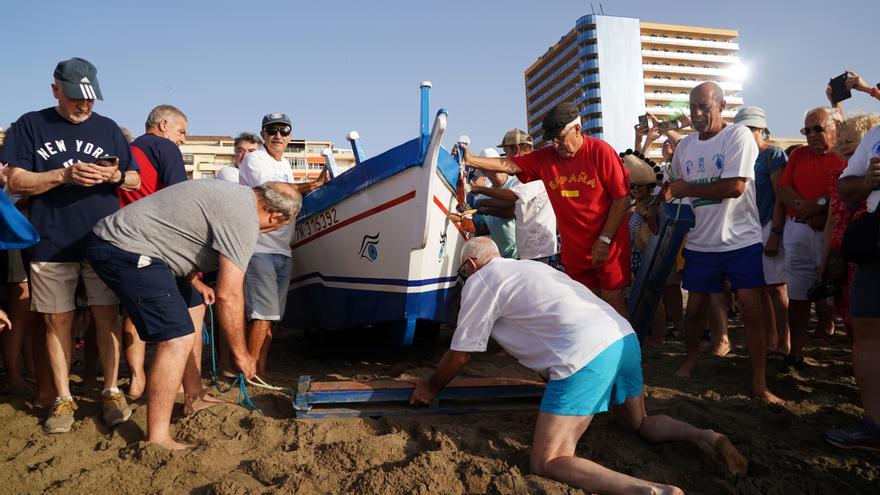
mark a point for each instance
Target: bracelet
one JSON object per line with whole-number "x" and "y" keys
{"x": 776, "y": 230}
{"x": 121, "y": 180}
{"x": 605, "y": 239}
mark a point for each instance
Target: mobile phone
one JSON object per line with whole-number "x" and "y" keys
{"x": 106, "y": 161}
{"x": 644, "y": 122}
{"x": 669, "y": 125}
{"x": 839, "y": 91}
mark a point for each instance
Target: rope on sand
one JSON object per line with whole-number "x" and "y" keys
{"x": 244, "y": 399}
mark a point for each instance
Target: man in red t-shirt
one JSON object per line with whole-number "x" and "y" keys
{"x": 803, "y": 189}
{"x": 588, "y": 187}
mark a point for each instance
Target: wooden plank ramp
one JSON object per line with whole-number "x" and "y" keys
{"x": 315, "y": 399}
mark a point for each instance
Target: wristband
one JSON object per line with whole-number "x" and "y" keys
{"x": 776, "y": 230}
{"x": 121, "y": 180}
{"x": 605, "y": 239}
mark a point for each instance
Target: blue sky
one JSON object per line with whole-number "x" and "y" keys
{"x": 336, "y": 66}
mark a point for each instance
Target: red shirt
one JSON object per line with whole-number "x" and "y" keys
{"x": 810, "y": 175}
{"x": 581, "y": 190}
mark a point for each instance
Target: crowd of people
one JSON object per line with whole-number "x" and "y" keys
{"x": 560, "y": 233}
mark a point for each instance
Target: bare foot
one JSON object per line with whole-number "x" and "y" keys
{"x": 721, "y": 349}
{"x": 202, "y": 401}
{"x": 136, "y": 387}
{"x": 658, "y": 489}
{"x": 728, "y": 456}
{"x": 654, "y": 340}
{"x": 687, "y": 370}
{"x": 171, "y": 444}
{"x": 768, "y": 397}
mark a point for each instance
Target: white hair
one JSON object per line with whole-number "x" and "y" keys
{"x": 833, "y": 112}
{"x": 482, "y": 249}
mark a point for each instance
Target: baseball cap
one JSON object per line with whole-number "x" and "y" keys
{"x": 489, "y": 153}
{"x": 276, "y": 118}
{"x": 79, "y": 79}
{"x": 557, "y": 118}
{"x": 514, "y": 137}
{"x": 751, "y": 117}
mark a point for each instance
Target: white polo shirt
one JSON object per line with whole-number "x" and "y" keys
{"x": 257, "y": 168}
{"x": 539, "y": 315}
{"x": 858, "y": 163}
{"x": 535, "y": 221}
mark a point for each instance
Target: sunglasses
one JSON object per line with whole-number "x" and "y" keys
{"x": 460, "y": 270}
{"x": 633, "y": 187}
{"x": 817, "y": 129}
{"x": 284, "y": 131}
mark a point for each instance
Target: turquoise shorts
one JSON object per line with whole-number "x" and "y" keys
{"x": 613, "y": 376}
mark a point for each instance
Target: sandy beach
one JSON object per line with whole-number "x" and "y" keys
{"x": 241, "y": 452}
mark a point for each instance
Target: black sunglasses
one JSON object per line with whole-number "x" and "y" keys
{"x": 460, "y": 270}
{"x": 285, "y": 131}
{"x": 818, "y": 129}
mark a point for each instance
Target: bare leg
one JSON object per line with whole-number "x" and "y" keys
{"x": 614, "y": 297}
{"x": 109, "y": 337}
{"x": 14, "y": 339}
{"x": 768, "y": 310}
{"x": 798, "y": 319}
{"x": 866, "y": 349}
{"x": 674, "y": 303}
{"x": 779, "y": 300}
{"x": 658, "y": 328}
{"x": 195, "y": 396}
{"x": 694, "y": 318}
{"x": 632, "y": 417}
{"x": 91, "y": 353}
{"x": 135, "y": 353}
{"x": 46, "y": 392}
{"x": 717, "y": 320}
{"x": 59, "y": 342}
{"x": 825, "y": 317}
{"x": 163, "y": 381}
{"x": 258, "y": 333}
{"x": 750, "y": 306}
{"x": 552, "y": 456}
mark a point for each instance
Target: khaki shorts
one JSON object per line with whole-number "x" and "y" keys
{"x": 53, "y": 286}
{"x": 17, "y": 274}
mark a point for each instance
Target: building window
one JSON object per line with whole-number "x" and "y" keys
{"x": 207, "y": 175}
{"x": 187, "y": 159}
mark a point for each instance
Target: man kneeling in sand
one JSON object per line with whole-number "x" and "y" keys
{"x": 149, "y": 247}
{"x": 559, "y": 328}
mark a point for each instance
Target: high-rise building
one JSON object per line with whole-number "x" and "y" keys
{"x": 203, "y": 156}
{"x": 617, "y": 68}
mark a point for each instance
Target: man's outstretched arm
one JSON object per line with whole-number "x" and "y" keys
{"x": 450, "y": 364}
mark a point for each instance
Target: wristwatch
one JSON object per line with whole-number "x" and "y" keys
{"x": 121, "y": 180}
{"x": 776, "y": 230}
{"x": 605, "y": 239}
{"x": 822, "y": 201}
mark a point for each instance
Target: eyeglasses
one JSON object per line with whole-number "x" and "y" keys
{"x": 464, "y": 265}
{"x": 561, "y": 137}
{"x": 817, "y": 129}
{"x": 284, "y": 131}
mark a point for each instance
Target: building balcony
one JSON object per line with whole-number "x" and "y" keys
{"x": 590, "y": 94}
{"x": 587, "y": 20}
{"x": 659, "y": 111}
{"x": 539, "y": 113}
{"x": 552, "y": 77}
{"x": 590, "y": 64}
{"x": 683, "y": 69}
{"x": 588, "y": 35}
{"x": 550, "y": 64}
{"x": 591, "y": 109}
{"x": 700, "y": 57}
{"x": 590, "y": 49}
{"x": 592, "y": 124}
{"x": 737, "y": 100}
{"x": 661, "y": 40}
{"x": 568, "y": 79}
{"x": 678, "y": 83}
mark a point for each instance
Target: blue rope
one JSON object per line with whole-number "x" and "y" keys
{"x": 244, "y": 399}
{"x": 214, "y": 381}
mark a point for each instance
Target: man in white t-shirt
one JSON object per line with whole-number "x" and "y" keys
{"x": 245, "y": 143}
{"x": 589, "y": 353}
{"x": 860, "y": 181}
{"x": 268, "y": 274}
{"x": 714, "y": 171}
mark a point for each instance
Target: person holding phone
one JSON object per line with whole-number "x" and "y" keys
{"x": 70, "y": 161}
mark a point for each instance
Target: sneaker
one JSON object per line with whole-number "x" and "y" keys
{"x": 61, "y": 418}
{"x": 116, "y": 409}
{"x": 865, "y": 435}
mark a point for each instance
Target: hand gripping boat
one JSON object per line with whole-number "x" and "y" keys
{"x": 373, "y": 246}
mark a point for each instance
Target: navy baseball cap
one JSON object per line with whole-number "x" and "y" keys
{"x": 276, "y": 118}
{"x": 79, "y": 79}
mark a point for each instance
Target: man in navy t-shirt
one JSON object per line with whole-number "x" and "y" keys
{"x": 70, "y": 161}
{"x": 157, "y": 153}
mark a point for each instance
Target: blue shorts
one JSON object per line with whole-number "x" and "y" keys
{"x": 611, "y": 377}
{"x": 157, "y": 302}
{"x": 266, "y": 283}
{"x": 705, "y": 271}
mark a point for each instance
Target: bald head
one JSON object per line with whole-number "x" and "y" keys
{"x": 707, "y": 103}
{"x": 482, "y": 249}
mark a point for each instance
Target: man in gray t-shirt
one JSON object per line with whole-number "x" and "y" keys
{"x": 143, "y": 251}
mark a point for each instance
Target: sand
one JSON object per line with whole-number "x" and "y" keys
{"x": 242, "y": 452}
